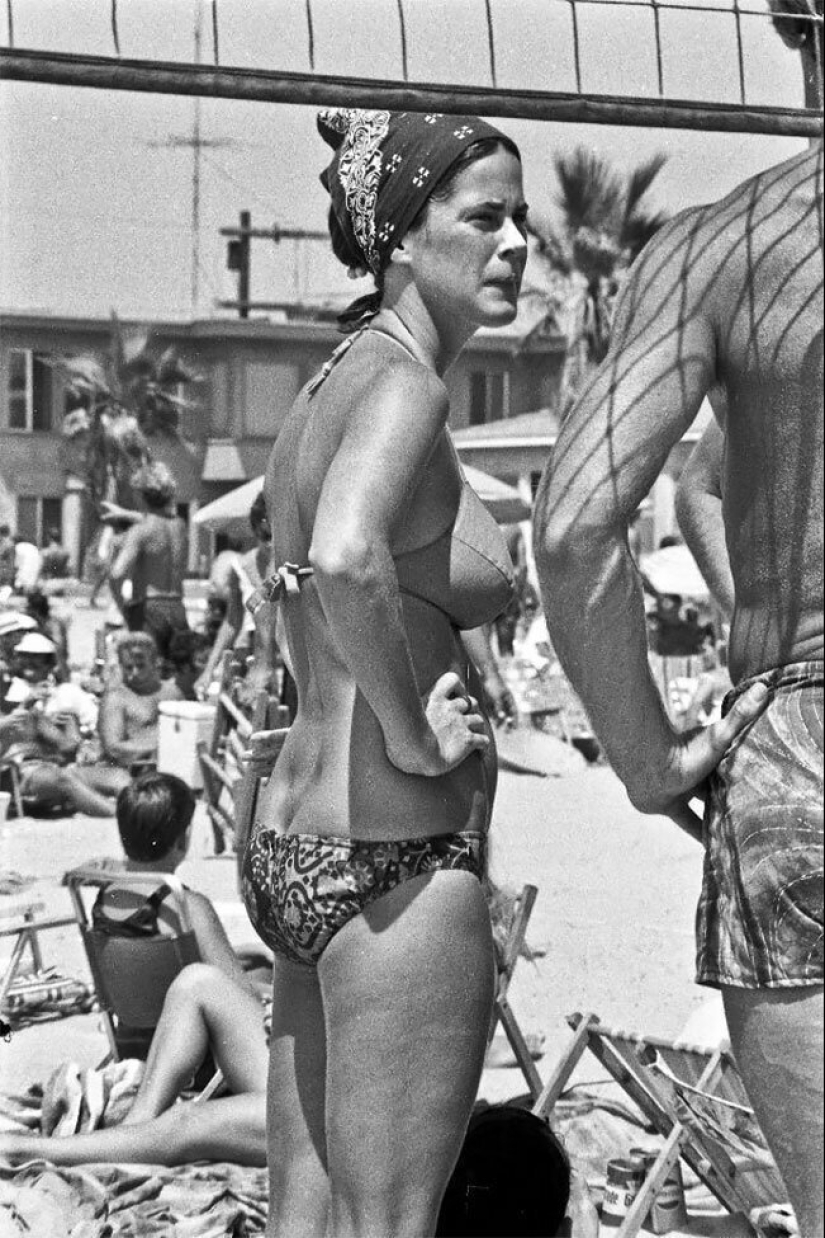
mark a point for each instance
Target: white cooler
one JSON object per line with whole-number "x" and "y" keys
{"x": 180, "y": 726}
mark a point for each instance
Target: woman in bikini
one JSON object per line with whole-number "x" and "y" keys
{"x": 363, "y": 871}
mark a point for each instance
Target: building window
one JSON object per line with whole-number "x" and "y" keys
{"x": 30, "y": 390}
{"x": 489, "y": 396}
{"x": 36, "y": 517}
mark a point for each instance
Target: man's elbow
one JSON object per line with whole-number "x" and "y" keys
{"x": 562, "y": 537}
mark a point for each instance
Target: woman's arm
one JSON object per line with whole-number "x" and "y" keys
{"x": 385, "y": 448}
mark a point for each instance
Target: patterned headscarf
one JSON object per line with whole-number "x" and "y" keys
{"x": 385, "y": 168}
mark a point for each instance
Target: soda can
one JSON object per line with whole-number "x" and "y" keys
{"x": 668, "y": 1210}
{"x": 623, "y": 1179}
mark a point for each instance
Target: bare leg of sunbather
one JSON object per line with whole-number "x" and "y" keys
{"x": 203, "y": 1009}
{"x": 232, "y": 1128}
{"x": 776, "y": 1037}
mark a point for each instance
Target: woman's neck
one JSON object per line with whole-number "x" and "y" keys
{"x": 407, "y": 320}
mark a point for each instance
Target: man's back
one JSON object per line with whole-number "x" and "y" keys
{"x": 731, "y": 295}
{"x": 767, "y": 310}
{"x": 160, "y": 563}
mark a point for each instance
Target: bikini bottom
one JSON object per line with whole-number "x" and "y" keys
{"x": 301, "y": 889}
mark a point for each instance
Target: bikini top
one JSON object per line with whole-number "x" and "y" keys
{"x": 465, "y": 571}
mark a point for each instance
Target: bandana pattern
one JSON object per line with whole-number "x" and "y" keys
{"x": 386, "y": 166}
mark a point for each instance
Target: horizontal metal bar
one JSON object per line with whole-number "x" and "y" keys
{"x": 277, "y": 234}
{"x": 259, "y": 85}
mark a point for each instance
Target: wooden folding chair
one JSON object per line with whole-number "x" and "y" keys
{"x": 10, "y": 780}
{"x": 31, "y": 989}
{"x": 267, "y": 715}
{"x": 131, "y": 975}
{"x": 695, "y": 1099}
{"x": 508, "y": 953}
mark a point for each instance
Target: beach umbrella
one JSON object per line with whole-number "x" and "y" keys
{"x": 504, "y": 502}
{"x": 673, "y": 569}
{"x": 230, "y": 509}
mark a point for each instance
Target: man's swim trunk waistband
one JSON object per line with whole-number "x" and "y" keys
{"x": 759, "y": 921}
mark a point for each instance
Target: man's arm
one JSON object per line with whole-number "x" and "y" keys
{"x": 612, "y": 446}
{"x": 123, "y": 567}
{"x": 699, "y": 513}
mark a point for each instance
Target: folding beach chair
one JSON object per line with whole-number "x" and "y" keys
{"x": 10, "y": 781}
{"x": 30, "y": 990}
{"x": 268, "y": 714}
{"x": 508, "y": 952}
{"x": 131, "y": 975}
{"x": 695, "y": 1099}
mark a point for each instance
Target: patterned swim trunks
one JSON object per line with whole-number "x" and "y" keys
{"x": 759, "y": 923}
{"x": 301, "y": 889}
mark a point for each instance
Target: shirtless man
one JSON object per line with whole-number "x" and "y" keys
{"x": 731, "y": 294}
{"x": 147, "y": 573}
{"x": 128, "y": 722}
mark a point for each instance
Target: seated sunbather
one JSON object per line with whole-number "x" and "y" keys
{"x": 154, "y": 817}
{"x": 44, "y": 731}
{"x": 204, "y": 1010}
{"x": 130, "y": 707}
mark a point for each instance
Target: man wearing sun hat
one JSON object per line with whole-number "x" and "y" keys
{"x": 44, "y": 730}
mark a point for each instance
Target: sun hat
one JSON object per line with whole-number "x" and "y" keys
{"x": 15, "y": 621}
{"x": 35, "y": 642}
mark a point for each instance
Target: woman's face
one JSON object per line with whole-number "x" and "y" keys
{"x": 469, "y": 254}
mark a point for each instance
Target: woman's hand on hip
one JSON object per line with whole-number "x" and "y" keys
{"x": 457, "y": 727}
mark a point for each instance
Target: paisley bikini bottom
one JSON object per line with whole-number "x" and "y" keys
{"x": 301, "y": 889}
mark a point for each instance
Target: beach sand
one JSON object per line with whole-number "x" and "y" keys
{"x": 613, "y": 920}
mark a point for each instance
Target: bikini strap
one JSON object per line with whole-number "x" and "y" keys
{"x": 287, "y": 579}
{"x": 344, "y": 347}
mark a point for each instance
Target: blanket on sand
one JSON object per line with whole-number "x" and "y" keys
{"x": 39, "y": 1200}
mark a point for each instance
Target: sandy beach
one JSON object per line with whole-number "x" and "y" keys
{"x": 612, "y": 924}
{"x": 613, "y": 918}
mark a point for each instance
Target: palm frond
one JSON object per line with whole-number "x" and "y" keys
{"x": 640, "y": 229}
{"x": 639, "y": 181}
{"x": 549, "y": 245}
{"x": 172, "y": 369}
{"x": 590, "y": 193}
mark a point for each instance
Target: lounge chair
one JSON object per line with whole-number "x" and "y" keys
{"x": 508, "y": 952}
{"x": 695, "y": 1098}
{"x": 131, "y": 975}
{"x": 30, "y": 989}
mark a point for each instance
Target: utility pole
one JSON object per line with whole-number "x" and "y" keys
{"x": 239, "y": 254}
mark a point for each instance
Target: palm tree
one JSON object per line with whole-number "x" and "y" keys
{"x": 604, "y": 225}
{"x": 119, "y": 405}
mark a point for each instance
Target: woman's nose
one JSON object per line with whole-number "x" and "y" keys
{"x": 513, "y": 239}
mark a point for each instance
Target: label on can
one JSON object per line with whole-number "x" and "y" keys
{"x": 622, "y": 1182}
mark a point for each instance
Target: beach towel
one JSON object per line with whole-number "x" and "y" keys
{"x": 39, "y": 1200}
{"x": 38, "y": 996}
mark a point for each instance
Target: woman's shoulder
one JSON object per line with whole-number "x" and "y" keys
{"x": 401, "y": 384}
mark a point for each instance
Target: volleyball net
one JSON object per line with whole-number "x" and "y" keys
{"x": 692, "y": 64}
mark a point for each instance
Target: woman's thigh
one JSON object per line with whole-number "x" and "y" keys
{"x": 296, "y": 1142}
{"x": 408, "y": 988}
